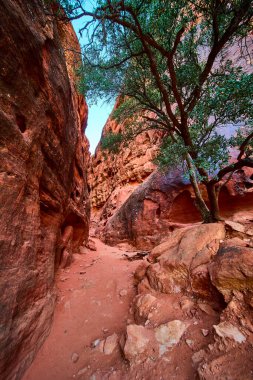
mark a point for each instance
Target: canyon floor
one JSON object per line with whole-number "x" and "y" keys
{"x": 94, "y": 295}
{"x": 94, "y": 301}
{"x": 95, "y": 306}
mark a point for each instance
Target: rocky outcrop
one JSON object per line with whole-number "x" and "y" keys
{"x": 209, "y": 325}
{"x": 43, "y": 194}
{"x": 180, "y": 264}
{"x": 165, "y": 202}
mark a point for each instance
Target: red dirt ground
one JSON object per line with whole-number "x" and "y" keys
{"x": 89, "y": 307}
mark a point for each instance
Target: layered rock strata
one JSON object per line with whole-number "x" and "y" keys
{"x": 44, "y": 203}
{"x": 114, "y": 176}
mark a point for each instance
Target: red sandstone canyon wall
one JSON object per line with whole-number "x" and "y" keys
{"x": 165, "y": 202}
{"x": 113, "y": 177}
{"x": 141, "y": 207}
{"x": 44, "y": 206}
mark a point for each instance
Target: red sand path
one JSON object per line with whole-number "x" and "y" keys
{"x": 89, "y": 307}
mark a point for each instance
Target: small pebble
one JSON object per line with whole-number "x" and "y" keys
{"x": 82, "y": 371}
{"x": 189, "y": 342}
{"x": 205, "y": 332}
{"x": 95, "y": 343}
{"x": 123, "y": 293}
{"x": 74, "y": 357}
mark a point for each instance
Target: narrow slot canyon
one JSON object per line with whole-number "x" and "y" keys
{"x": 107, "y": 271}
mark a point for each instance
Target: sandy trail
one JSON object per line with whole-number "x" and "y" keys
{"x": 89, "y": 307}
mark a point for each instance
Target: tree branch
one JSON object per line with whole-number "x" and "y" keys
{"x": 230, "y": 168}
{"x": 244, "y": 145}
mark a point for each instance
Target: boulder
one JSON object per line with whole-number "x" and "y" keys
{"x": 227, "y": 330}
{"x": 232, "y": 270}
{"x": 169, "y": 334}
{"x": 140, "y": 344}
{"x": 111, "y": 343}
{"x": 144, "y": 304}
{"x": 181, "y": 262}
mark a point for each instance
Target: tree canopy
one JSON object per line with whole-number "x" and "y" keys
{"x": 182, "y": 66}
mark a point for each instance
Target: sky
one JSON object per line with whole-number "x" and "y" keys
{"x": 98, "y": 114}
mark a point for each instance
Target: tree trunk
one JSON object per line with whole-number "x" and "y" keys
{"x": 213, "y": 199}
{"x": 199, "y": 202}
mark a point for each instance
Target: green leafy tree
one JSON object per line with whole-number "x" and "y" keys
{"x": 169, "y": 61}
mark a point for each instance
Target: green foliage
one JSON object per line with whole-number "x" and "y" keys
{"x": 154, "y": 53}
{"x": 111, "y": 142}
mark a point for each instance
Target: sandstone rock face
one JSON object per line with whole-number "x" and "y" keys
{"x": 212, "y": 335}
{"x": 165, "y": 202}
{"x": 232, "y": 271}
{"x": 181, "y": 262}
{"x": 144, "y": 214}
{"x": 144, "y": 344}
{"x": 113, "y": 177}
{"x": 138, "y": 343}
{"x": 44, "y": 204}
{"x": 129, "y": 167}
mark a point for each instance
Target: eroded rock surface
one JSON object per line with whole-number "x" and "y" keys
{"x": 143, "y": 212}
{"x": 218, "y": 334}
{"x": 44, "y": 203}
{"x": 181, "y": 262}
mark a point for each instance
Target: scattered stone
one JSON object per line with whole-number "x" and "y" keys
{"x": 100, "y": 346}
{"x": 144, "y": 305}
{"x": 82, "y": 371}
{"x": 138, "y": 344}
{"x": 197, "y": 357}
{"x": 189, "y": 343}
{"x": 110, "y": 344}
{"x": 63, "y": 279}
{"x": 82, "y": 272}
{"x": 169, "y": 334}
{"x": 95, "y": 343}
{"x": 204, "y": 332}
{"x": 227, "y": 330}
{"x": 123, "y": 293}
{"x": 75, "y": 357}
